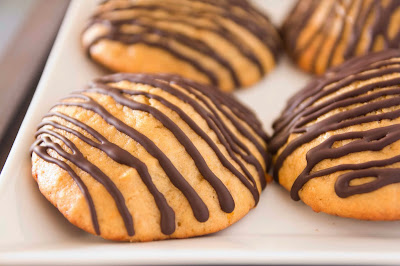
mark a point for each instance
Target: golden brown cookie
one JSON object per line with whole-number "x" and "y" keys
{"x": 227, "y": 43}
{"x": 337, "y": 144}
{"x": 144, "y": 157}
{"x": 319, "y": 34}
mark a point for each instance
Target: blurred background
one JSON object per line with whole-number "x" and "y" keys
{"x": 27, "y": 31}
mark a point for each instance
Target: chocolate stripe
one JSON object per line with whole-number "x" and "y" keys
{"x": 371, "y": 18}
{"x": 134, "y": 39}
{"x": 241, "y": 14}
{"x": 304, "y": 117}
{"x": 205, "y": 137}
{"x": 199, "y": 92}
{"x": 371, "y": 140}
{"x": 40, "y": 148}
{"x": 80, "y": 161}
{"x": 123, "y": 157}
{"x": 224, "y": 197}
{"x": 186, "y": 93}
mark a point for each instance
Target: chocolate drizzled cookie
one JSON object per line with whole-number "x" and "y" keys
{"x": 227, "y": 43}
{"x": 143, "y": 157}
{"x": 319, "y": 34}
{"x": 336, "y": 145}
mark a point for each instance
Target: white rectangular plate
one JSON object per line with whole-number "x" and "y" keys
{"x": 278, "y": 231}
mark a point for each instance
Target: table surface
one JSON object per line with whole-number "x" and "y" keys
{"x": 13, "y": 15}
{"x": 27, "y": 29}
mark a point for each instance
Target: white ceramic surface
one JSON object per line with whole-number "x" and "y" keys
{"x": 278, "y": 231}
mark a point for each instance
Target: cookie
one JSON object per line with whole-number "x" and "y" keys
{"x": 139, "y": 157}
{"x": 319, "y": 34}
{"x": 227, "y": 43}
{"x": 336, "y": 145}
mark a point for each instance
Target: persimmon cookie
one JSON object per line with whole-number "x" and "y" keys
{"x": 336, "y": 146}
{"x": 227, "y": 43}
{"x": 139, "y": 157}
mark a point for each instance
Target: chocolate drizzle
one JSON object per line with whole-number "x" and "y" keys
{"x": 241, "y": 13}
{"x": 362, "y": 24}
{"x": 212, "y": 105}
{"x": 305, "y": 115}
